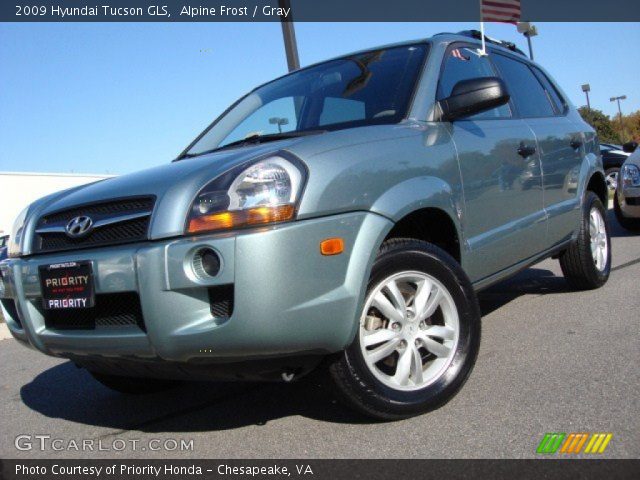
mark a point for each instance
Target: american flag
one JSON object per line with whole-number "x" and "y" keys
{"x": 505, "y": 11}
{"x": 459, "y": 55}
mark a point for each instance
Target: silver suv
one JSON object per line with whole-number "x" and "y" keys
{"x": 343, "y": 216}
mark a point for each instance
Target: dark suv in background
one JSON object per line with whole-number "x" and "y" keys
{"x": 613, "y": 156}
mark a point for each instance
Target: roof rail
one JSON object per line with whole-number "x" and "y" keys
{"x": 478, "y": 36}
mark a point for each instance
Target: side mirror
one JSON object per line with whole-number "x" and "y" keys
{"x": 630, "y": 147}
{"x": 476, "y": 95}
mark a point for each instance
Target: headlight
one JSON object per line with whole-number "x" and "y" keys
{"x": 15, "y": 239}
{"x": 630, "y": 176}
{"x": 265, "y": 192}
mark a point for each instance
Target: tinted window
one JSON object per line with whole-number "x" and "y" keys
{"x": 464, "y": 64}
{"x": 527, "y": 94}
{"x": 552, "y": 92}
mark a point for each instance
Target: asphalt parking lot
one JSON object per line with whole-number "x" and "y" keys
{"x": 551, "y": 360}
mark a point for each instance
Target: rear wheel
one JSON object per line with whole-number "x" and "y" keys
{"x": 418, "y": 335}
{"x": 632, "y": 224}
{"x": 133, "y": 385}
{"x": 586, "y": 264}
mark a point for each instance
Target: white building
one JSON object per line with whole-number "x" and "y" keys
{"x": 18, "y": 189}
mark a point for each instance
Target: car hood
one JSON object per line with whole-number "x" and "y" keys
{"x": 174, "y": 186}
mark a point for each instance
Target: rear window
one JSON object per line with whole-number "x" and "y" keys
{"x": 528, "y": 95}
{"x": 559, "y": 104}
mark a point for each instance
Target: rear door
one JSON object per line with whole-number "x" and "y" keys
{"x": 560, "y": 142}
{"x": 504, "y": 215}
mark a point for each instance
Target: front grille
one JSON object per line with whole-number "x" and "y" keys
{"x": 105, "y": 209}
{"x": 125, "y": 231}
{"x": 221, "y": 301}
{"x": 110, "y": 310}
{"x": 129, "y": 231}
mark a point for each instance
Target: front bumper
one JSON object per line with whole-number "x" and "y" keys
{"x": 629, "y": 201}
{"x": 287, "y": 298}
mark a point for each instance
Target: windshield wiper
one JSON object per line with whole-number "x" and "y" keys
{"x": 255, "y": 139}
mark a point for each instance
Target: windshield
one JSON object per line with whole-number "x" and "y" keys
{"x": 364, "y": 89}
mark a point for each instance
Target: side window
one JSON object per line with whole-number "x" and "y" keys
{"x": 464, "y": 63}
{"x": 527, "y": 94}
{"x": 559, "y": 104}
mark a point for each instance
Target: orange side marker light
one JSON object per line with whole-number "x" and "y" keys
{"x": 332, "y": 246}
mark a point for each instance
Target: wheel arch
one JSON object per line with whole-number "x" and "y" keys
{"x": 424, "y": 208}
{"x": 420, "y": 224}
{"x": 598, "y": 185}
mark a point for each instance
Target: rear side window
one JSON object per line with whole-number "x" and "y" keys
{"x": 559, "y": 104}
{"x": 464, "y": 63}
{"x": 527, "y": 94}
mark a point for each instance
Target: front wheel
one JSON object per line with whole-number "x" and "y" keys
{"x": 418, "y": 335}
{"x": 586, "y": 264}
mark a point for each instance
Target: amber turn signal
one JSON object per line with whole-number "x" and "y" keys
{"x": 332, "y": 246}
{"x": 240, "y": 218}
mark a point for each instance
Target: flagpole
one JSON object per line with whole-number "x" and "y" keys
{"x": 483, "y": 52}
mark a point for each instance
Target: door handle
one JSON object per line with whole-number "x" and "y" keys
{"x": 525, "y": 151}
{"x": 576, "y": 144}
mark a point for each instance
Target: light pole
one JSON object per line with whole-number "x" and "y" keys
{"x": 528, "y": 30}
{"x": 586, "y": 88}
{"x": 289, "y": 34}
{"x": 279, "y": 121}
{"x": 617, "y": 99}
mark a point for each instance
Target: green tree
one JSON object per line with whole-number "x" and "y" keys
{"x": 631, "y": 126}
{"x": 602, "y": 124}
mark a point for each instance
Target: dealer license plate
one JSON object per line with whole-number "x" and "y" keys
{"x": 67, "y": 285}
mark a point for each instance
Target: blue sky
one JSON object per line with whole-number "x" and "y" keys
{"x": 118, "y": 97}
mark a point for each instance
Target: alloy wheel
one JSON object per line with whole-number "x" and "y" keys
{"x": 409, "y": 330}
{"x": 598, "y": 237}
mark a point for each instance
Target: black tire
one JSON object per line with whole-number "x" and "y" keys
{"x": 355, "y": 383}
{"x": 608, "y": 172}
{"x": 133, "y": 385}
{"x": 577, "y": 262}
{"x": 631, "y": 224}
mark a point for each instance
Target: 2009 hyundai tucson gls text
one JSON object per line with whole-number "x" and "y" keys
{"x": 341, "y": 217}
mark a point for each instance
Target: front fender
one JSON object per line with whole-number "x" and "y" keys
{"x": 416, "y": 194}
